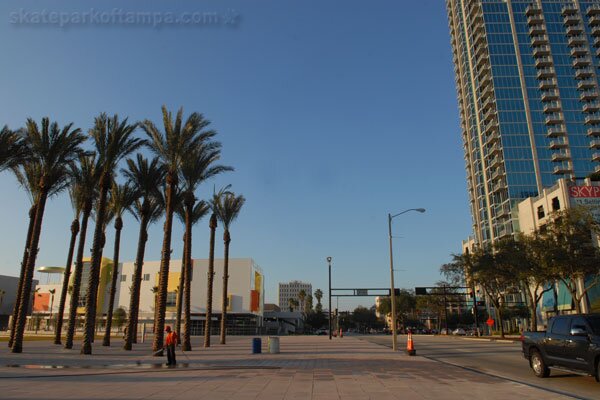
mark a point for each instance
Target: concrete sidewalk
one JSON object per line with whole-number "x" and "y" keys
{"x": 309, "y": 367}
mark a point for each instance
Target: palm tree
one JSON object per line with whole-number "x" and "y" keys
{"x": 77, "y": 203}
{"x": 113, "y": 140}
{"x": 54, "y": 149}
{"x": 146, "y": 178}
{"x": 85, "y": 181}
{"x": 198, "y": 166}
{"x": 12, "y": 148}
{"x": 121, "y": 199}
{"x": 302, "y": 297}
{"x": 319, "y": 296}
{"x": 212, "y": 224}
{"x": 171, "y": 146}
{"x": 227, "y": 207}
{"x": 28, "y": 175}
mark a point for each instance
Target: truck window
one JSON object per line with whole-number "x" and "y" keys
{"x": 579, "y": 322}
{"x": 560, "y": 326}
{"x": 595, "y": 324}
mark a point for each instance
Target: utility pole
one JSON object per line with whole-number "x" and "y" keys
{"x": 329, "y": 262}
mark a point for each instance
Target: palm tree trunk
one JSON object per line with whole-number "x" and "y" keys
{"x": 94, "y": 278}
{"x": 15, "y": 314}
{"x": 211, "y": 275}
{"x": 77, "y": 277}
{"x": 226, "y": 240}
{"x": 28, "y": 275}
{"x": 65, "y": 285}
{"x": 134, "y": 301}
{"x": 113, "y": 283}
{"x": 187, "y": 343}
{"x": 163, "y": 280}
{"x": 180, "y": 287}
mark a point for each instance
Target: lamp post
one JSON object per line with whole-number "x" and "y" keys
{"x": 392, "y": 286}
{"x": 329, "y": 262}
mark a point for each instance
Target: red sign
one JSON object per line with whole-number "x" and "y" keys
{"x": 490, "y": 322}
{"x": 584, "y": 191}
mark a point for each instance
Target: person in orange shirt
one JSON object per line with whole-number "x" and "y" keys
{"x": 171, "y": 343}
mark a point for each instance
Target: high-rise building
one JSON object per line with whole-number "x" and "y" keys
{"x": 292, "y": 290}
{"x": 527, "y": 83}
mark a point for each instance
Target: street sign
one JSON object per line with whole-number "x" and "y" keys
{"x": 420, "y": 290}
{"x": 490, "y": 322}
{"x": 362, "y": 292}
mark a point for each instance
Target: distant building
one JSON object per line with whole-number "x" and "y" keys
{"x": 291, "y": 290}
{"x": 8, "y": 295}
{"x": 245, "y": 293}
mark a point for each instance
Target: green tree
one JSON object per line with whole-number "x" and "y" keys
{"x": 406, "y": 304}
{"x": 146, "y": 178}
{"x": 53, "y": 149}
{"x": 171, "y": 147}
{"x": 84, "y": 177}
{"x": 302, "y": 298}
{"x": 319, "y": 296}
{"x": 119, "y": 317}
{"x": 121, "y": 199}
{"x": 573, "y": 236}
{"x": 364, "y": 318}
{"x": 113, "y": 141}
{"x": 227, "y": 207}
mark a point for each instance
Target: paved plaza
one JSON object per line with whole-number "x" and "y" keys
{"x": 308, "y": 367}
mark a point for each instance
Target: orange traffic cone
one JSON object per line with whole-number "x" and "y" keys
{"x": 410, "y": 347}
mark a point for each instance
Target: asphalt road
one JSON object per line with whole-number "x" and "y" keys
{"x": 500, "y": 359}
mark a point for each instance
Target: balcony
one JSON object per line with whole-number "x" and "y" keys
{"x": 540, "y": 51}
{"x": 560, "y": 156}
{"x": 556, "y": 131}
{"x": 591, "y": 107}
{"x": 594, "y": 20}
{"x": 497, "y": 174}
{"x": 588, "y": 95}
{"x": 593, "y": 10}
{"x": 593, "y": 131}
{"x": 491, "y": 127}
{"x": 489, "y": 102}
{"x": 549, "y": 95}
{"x": 568, "y": 10}
{"x": 545, "y": 73}
{"x": 548, "y": 83}
{"x": 571, "y": 19}
{"x": 478, "y": 40}
{"x": 574, "y": 29}
{"x": 595, "y": 31}
{"x": 503, "y": 210}
{"x": 578, "y": 51}
{"x": 562, "y": 169}
{"x": 551, "y": 107}
{"x": 533, "y": 10}
{"x": 492, "y": 138}
{"x": 485, "y": 92}
{"x": 554, "y": 119}
{"x": 586, "y": 84}
{"x": 592, "y": 119}
{"x": 538, "y": 40}
{"x": 582, "y": 61}
{"x": 541, "y": 62}
{"x": 537, "y": 29}
{"x": 488, "y": 114}
{"x": 596, "y": 157}
{"x": 499, "y": 186}
{"x": 583, "y": 73}
{"x": 485, "y": 80}
{"x": 595, "y": 144}
{"x": 480, "y": 50}
{"x": 535, "y": 19}
{"x": 576, "y": 40}
{"x": 495, "y": 149}
{"x": 495, "y": 162}
{"x": 558, "y": 144}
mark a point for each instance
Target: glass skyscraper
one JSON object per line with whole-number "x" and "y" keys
{"x": 527, "y": 85}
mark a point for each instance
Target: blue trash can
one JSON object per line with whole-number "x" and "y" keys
{"x": 256, "y": 345}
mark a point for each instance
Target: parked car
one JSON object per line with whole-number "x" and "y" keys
{"x": 572, "y": 342}
{"x": 459, "y": 332}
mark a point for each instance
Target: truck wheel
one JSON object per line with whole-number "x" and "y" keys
{"x": 538, "y": 365}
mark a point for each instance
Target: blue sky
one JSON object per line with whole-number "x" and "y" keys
{"x": 332, "y": 113}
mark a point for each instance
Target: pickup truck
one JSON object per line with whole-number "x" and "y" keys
{"x": 572, "y": 342}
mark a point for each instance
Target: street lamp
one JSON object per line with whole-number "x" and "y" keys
{"x": 393, "y": 288}
{"x": 329, "y": 262}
